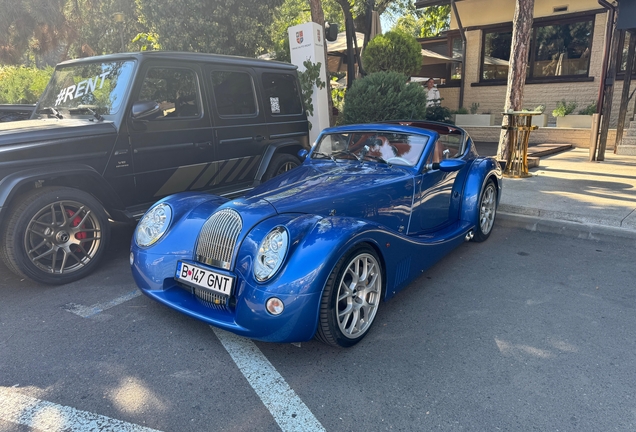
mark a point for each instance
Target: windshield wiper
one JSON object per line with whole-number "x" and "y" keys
{"x": 98, "y": 116}
{"x": 325, "y": 155}
{"x": 51, "y": 111}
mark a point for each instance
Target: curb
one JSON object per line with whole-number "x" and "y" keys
{"x": 586, "y": 231}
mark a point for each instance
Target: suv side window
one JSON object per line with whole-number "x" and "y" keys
{"x": 234, "y": 93}
{"x": 282, "y": 93}
{"x": 176, "y": 91}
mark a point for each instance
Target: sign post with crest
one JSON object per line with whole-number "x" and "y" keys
{"x": 306, "y": 42}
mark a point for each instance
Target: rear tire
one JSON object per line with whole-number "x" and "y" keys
{"x": 351, "y": 298}
{"x": 279, "y": 164}
{"x": 55, "y": 235}
{"x": 486, "y": 212}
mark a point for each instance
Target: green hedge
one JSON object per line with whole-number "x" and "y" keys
{"x": 22, "y": 85}
{"x": 383, "y": 96}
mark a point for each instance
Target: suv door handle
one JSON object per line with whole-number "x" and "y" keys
{"x": 202, "y": 145}
{"x": 259, "y": 138}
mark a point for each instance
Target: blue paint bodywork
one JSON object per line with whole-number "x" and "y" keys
{"x": 411, "y": 216}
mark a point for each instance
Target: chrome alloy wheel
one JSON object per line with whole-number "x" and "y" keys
{"x": 63, "y": 237}
{"x": 359, "y": 292}
{"x": 286, "y": 167}
{"x": 487, "y": 208}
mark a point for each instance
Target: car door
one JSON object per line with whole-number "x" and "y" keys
{"x": 438, "y": 194}
{"x": 240, "y": 128}
{"x": 172, "y": 150}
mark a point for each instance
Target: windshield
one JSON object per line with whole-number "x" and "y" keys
{"x": 80, "y": 89}
{"x": 392, "y": 148}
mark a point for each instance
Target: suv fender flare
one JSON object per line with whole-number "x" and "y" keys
{"x": 290, "y": 146}
{"x": 92, "y": 182}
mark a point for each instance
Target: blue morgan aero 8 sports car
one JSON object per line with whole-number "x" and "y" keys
{"x": 314, "y": 251}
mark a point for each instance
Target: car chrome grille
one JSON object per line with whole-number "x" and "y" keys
{"x": 217, "y": 238}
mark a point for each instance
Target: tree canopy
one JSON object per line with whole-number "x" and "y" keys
{"x": 427, "y": 22}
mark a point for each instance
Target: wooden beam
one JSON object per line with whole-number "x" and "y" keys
{"x": 627, "y": 81}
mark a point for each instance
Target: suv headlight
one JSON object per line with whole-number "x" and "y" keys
{"x": 271, "y": 254}
{"x": 153, "y": 225}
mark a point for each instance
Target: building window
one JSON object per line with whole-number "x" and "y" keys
{"x": 557, "y": 50}
{"x": 442, "y": 59}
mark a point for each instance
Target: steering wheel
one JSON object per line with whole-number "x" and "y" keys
{"x": 399, "y": 159}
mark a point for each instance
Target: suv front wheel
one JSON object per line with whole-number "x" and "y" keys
{"x": 279, "y": 164}
{"x": 55, "y": 235}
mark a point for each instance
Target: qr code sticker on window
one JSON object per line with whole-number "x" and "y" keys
{"x": 275, "y": 105}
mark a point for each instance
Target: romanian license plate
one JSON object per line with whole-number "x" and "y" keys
{"x": 204, "y": 278}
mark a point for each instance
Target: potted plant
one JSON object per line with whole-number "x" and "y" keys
{"x": 565, "y": 118}
{"x": 540, "y": 120}
{"x": 474, "y": 119}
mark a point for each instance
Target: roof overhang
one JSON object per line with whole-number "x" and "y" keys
{"x": 425, "y": 3}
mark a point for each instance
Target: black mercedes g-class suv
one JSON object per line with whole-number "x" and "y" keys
{"x": 113, "y": 134}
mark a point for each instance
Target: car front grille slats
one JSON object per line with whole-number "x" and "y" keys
{"x": 218, "y": 237}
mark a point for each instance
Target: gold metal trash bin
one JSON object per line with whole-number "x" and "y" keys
{"x": 519, "y": 128}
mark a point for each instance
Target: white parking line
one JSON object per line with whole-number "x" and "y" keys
{"x": 288, "y": 410}
{"x": 38, "y": 414}
{"x": 89, "y": 311}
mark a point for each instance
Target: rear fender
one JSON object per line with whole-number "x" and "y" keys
{"x": 480, "y": 172}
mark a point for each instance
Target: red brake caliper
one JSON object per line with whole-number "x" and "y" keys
{"x": 75, "y": 222}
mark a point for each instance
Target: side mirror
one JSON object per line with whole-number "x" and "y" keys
{"x": 447, "y": 165}
{"x": 302, "y": 154}
{"x": 145, "y": 110}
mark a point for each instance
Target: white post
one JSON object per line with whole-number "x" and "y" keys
{"x": 306, "y": 42}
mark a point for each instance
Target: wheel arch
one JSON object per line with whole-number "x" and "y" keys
{"x": 287, "y": 146}
{"x": 80, "y": 177}
{"x": 482, "y": 170}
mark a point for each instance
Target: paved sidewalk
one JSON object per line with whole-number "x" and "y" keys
{"x": 569, "y": 195}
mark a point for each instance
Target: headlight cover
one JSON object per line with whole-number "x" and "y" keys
{"x": 271, "y": 254}
{"x": 153, "y": 225}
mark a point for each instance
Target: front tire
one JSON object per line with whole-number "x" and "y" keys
{"x": 487, "y": 211}
{"x": 279, "y": 164}
{"x": 351, "y": 298}
{"x": 55, "y": 235}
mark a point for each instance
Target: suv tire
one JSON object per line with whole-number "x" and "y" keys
{"x": 279, "y": 164}
{"x": 55, "y": 235}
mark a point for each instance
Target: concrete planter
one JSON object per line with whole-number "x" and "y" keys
{"x": 540, "y": 120}
{"x": 475, "y": 119}
{"x": 574, "y": 121}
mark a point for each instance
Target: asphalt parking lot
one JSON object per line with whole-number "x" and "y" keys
{"x": 525, "y": 331}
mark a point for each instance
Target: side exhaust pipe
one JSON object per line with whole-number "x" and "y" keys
{"x": 469, "y": 235}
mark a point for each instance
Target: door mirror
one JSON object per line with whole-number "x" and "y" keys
{"x": 145, "y": 110}
{"x": 302, "y": 154}
{"x": 447, "y": 165}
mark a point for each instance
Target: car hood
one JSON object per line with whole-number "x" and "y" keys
{"x": 25, "y": 131}
{"x": 370, "y": 191}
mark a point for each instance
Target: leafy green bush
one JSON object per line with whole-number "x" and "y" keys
{"x": 589, "y": 110}
{"x": 392, "y": 51}
{"x": 383, "y": 96}
{"x": 438, "y": 113}
{"x": 461, "y": 110}
{"x": 308, "y": 78}
{"x": 22, "y": 85}
{"x": 564, "y": 108}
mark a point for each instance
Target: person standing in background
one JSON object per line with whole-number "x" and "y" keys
{"x": 433, "y": 97}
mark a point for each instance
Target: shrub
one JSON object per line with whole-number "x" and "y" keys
{"x": 438, "y": 113}
{"x": 383, "y": 96}
{"x": 393, "y": 51}
{"x": 22, "y": 85}
{"x": 589, "y": 110}
{"x": 564, "y": 108}
{"x": 461, "y": 110}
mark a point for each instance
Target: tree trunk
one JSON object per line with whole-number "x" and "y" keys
{"x": 518, "y": 64}
{"x": 318, "y": 16}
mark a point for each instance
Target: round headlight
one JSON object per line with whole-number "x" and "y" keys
{"x": 153, "y": 225}
{"x": 271, "y": 254}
